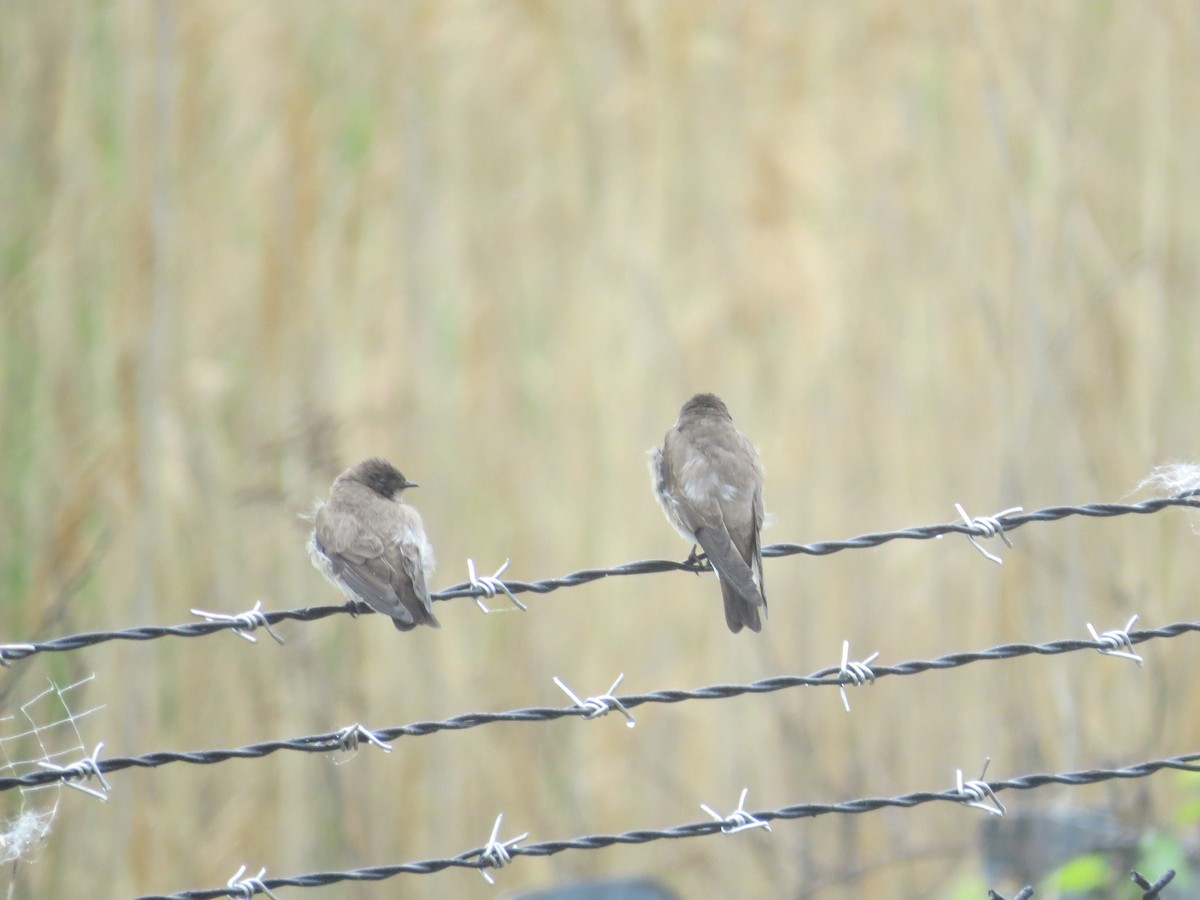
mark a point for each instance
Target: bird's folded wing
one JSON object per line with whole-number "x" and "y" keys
{"x": 756, "y": 543}
{"x": 715, "y": 541}
{"x": 373, "y": 581}
{"x": 409, "y": 584}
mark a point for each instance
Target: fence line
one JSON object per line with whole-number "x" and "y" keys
{"x": 985, "y": 526}
{"x": 829, "y": 676}
{"x": 495, "y": 854}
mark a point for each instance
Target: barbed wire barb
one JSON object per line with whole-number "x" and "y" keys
{"x": 976, "y": 793}
{"x": 1152, "y": 891}
{"x": 248, "y": 887}
{"x": 242, "y": 623}
{"x": 855, "y": 673}
{"x": 86, "y": 768}
{"x": 739, "y": 819}
{"x": 489, "y": 586}
{"x": 350, "y": 736}
{"x": 1024, "y": 894}
{"x": 601, "y": 705}
{"x": 496, "y": 853}
{"x": 986, "y": 527}
{"x": 6, "y": 651}
{"x": 1117, "y": 642}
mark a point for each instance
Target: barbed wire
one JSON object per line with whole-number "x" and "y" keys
{"x": 494, "y": 854}
{"x": 483, "y": 858}
{"x": 829, "y": 676}
{"x": 1149, "y": 891}
{"x": 984, "y": 526}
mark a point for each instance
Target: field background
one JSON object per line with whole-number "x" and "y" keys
{"x": 927, "y": 253}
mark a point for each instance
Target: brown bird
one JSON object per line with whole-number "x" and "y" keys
{"x": 372, "y": 545}
{"x": 709, "y": 481}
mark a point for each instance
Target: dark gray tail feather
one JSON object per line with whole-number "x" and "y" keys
{"x": 418, "y": 610}
{"x": 422, "y": 618}
{"x": 741, "y": 594}
{"x": 738, "y": 612}
{"x": 728, "y": 562}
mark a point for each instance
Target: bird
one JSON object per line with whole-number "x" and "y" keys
{"x": 372, "y": 545}
{"x": 708, "y": 479}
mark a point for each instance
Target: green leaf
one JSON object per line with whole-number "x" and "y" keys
{"x": 1159, "y": 852}
{"x": 1188, "y": 811}
{"x": 1087, "y": 872}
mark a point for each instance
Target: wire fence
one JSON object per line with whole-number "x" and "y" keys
{"x": 841, "y": 676}
{"x": 477, "y": 589}
{"x": 489, "y": 855}
{"x": 496, "y": 852}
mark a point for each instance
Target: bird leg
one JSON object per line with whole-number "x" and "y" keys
{"x": 695, "y": 560}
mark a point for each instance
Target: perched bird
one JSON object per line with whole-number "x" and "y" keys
{"x": 372, "y": 545}
{"x": 708, "y": 479}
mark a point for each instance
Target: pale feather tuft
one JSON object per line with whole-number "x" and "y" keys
{"x": 1173, "y": 479}
{"x": 310, "y": 515}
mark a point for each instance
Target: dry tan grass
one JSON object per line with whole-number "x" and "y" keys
{"x": 926, "y": 253}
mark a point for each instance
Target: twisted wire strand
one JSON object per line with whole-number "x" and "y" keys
{"x": 473, "y": 859}
{"x": 18, "y": 651}
{"x": 830, "y": 676}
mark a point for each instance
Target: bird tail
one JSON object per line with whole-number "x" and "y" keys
{"x": 421, "y": 616}
{"x": 414, "y": 600}
{"x": 738, "y": 588}
{"x": 738, "y": 612}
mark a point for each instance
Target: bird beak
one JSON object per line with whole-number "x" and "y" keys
{"x": 410, "y": 484}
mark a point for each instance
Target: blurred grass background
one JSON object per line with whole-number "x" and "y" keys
{"x": 926, "y": 253}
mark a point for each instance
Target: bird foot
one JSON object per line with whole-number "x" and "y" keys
{"x": 696, "y": 561}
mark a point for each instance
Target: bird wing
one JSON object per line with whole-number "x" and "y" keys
{"x": 756, "y": 547}
{"x": 408, "y": 584}
{"x": 359, "y": 559}
{"x": 718, "y": 547}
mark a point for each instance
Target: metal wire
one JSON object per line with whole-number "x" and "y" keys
{"x": 486, "y": 857}
{"x": 1006, "y": 523}
{"x": 830, "y": 676}
{"x": 473, "y": 859}
{"x": 1152, "y": 891}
